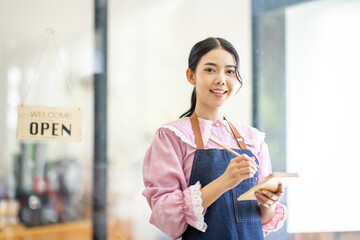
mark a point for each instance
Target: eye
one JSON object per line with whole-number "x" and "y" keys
{"x": 209, "y": 70}
{"x": 230, "y": 71}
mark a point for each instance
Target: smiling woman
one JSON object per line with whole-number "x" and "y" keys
{"x": 190, "y": 184}
{"x": 224, "y": 48}
{"x": 215, "y": 82}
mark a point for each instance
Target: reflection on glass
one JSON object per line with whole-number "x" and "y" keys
{"x": 44, "y": 186}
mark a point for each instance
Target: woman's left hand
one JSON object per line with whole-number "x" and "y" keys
{"x": 267, "y": 198}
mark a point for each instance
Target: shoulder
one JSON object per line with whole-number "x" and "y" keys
{"x": 183, "y": 123}
{"x": 180, "y": 128}
{"x": 251, "y": 135}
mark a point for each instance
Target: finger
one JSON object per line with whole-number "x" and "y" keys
{"x": 246, "y": 176}
{"x": 247, "y": 171}
{"x": 248, "y": 158}
{"x": 243, "y": 170}
{"x": 280, "y": 190}
{"x": 270, "y": 195}
{"x": 240, "y": 170}
{"x": 252, "y": 159}
{"x": 243, "y": 167}
{"x": 263, "y": 200}
{"x": 246, "y": 163}
{"x": 245, "y": 157}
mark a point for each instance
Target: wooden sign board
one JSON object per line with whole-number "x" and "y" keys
{"x": 49, "y": 123}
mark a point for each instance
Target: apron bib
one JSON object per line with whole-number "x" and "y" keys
{"x": 226, "y": 218}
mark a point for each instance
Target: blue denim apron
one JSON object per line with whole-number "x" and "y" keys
{"x": 226, "y": 218}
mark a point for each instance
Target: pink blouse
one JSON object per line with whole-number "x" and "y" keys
{"x": 167, "y": 167}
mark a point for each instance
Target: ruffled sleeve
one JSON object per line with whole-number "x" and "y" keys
{"x": 277, "y": 221}
{"x": 174, "y": 205}
{"x": 280, "y": 215}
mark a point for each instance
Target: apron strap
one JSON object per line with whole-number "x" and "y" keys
{"x": 198, "y": 137}
{"x": 197, "y": 132}
{"x": 237, "y": 135}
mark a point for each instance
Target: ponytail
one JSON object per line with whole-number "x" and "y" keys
{"x": 192, "y": 106}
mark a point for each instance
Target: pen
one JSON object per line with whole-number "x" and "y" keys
{"x": 228, "y": 149}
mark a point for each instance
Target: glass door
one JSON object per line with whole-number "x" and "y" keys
{"x": 45, "y": 187}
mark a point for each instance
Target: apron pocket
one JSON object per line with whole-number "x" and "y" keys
{"x": 245, "y": 211}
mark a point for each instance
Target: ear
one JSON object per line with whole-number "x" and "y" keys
{"x": 190, "y": 76}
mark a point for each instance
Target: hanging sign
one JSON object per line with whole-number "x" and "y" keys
{"x": 49, "y": 123}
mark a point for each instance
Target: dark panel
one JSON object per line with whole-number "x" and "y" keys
{"x": 99, "y": 216}
{"x": 262, "y": 6}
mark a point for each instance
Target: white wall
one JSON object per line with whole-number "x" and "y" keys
{"x": 322, "y": 45}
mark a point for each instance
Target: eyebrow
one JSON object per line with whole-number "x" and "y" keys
{"x": 214, "y": 64}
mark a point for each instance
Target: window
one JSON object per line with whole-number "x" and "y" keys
{"x": 305, "y": 94}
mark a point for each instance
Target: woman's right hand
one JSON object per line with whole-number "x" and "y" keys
{"x": 239, "y": 168}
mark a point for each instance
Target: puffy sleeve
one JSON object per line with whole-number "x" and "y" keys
{"x": 174, "y": 205}
{"x": 280, "y": 210}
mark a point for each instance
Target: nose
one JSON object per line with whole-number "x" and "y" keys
{"x": 221, "y": 79}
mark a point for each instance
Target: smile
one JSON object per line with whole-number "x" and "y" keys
{"x": 218, "y": 91}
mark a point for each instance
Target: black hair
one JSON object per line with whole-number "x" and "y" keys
{"x": 198, "y": 51}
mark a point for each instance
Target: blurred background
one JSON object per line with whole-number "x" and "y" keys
{"x": 298, "y": 61}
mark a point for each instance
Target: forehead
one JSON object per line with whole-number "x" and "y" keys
{"x": 219, "y": 56}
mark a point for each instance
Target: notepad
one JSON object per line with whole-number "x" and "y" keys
{"x": 271, "y": 183}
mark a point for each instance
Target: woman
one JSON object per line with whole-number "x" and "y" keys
{"x": 190, "y": 184}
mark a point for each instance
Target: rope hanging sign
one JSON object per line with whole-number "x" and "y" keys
{"x": 41, "y": 123}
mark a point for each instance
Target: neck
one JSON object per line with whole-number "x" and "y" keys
{"x": 214, "y": 114}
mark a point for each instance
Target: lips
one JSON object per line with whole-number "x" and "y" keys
{"x": 218, "y": 91}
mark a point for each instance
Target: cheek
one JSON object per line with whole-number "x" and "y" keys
{"x": 201, "y": 88}
{"x": 204, "y": 76}
{"x": 202, "y": 82}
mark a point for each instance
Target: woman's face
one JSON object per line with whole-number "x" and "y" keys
{"x": 215, "y": 79}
